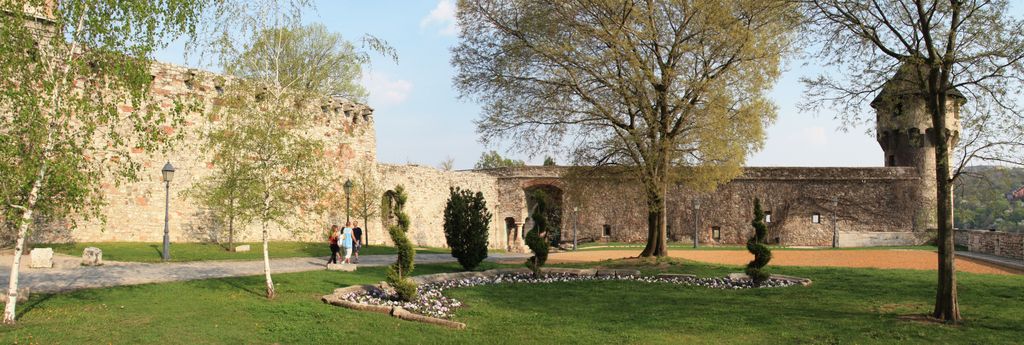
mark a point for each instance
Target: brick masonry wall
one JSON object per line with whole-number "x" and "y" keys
{"x": 999, "y": 243}
{"x": 135, "y": 210}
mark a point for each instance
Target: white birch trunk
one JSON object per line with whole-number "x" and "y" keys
{"x": 26, "y": 221}
{"x": 266, "y": 250}
{"x": 266, "y": 263}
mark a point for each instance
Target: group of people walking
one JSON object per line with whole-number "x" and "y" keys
{"x": 349, "y": 239}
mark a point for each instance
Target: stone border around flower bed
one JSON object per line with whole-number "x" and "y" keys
{"x": 336, "y": 297}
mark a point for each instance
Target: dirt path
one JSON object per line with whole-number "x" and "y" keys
{"x": 67, "y": 275}
{"x": 906, "y": 259}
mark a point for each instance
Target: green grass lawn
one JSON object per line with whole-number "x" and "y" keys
{"x": 689, "y": 246}
{"x": 181, "y": 252}
{"x": 860, "y": 306}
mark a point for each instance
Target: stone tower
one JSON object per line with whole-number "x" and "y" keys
{"x": 902, "y": 126}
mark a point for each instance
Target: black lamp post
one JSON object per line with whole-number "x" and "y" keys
{"x": 348, "y": 192}
{"x": 696, "y": 226}
{"x": 835, "y": 224}
{"x": 168, "y": 173}
{"x": 575, "y": 224}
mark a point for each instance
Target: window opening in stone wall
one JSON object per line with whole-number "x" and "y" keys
{"x": 716, "y": 233}
{"x": 816, "y": 218}
{"x": 768, "y": 217}
{"x": 607, "y": 230}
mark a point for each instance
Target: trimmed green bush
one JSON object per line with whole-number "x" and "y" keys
{"x": 535, "y": 239}
{"x": 392, "y": 209}
{"x": 755, "y": 269}
{"x": 466, "y": 221}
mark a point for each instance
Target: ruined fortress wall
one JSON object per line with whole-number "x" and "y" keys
{"x": 135, "y": 210}
{"x": 428, "y": 191}
{"x": 875, "y": 205}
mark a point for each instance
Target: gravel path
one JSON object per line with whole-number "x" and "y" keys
{"x": 65, "y": 278}
{"x": 894, "y": 258}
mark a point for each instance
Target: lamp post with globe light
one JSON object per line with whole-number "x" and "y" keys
{"x": 696, "y": 225}
{"x": 168, "y": 175}
{"x": 348, "y": 193}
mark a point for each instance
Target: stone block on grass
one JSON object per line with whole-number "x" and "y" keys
{"x": 42, "y": 258}
{"x": 92, "y": 256}
{"x": 243, "y": 248}
{"x": 341, "y": 267}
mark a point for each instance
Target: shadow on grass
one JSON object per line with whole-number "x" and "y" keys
{"x": 32, "y": 303}
{"x": 159, "y": 251}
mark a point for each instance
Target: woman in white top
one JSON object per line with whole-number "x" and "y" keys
{"x": 346, "y": 242}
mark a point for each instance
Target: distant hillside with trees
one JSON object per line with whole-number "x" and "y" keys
{"x": 981, "y": 199}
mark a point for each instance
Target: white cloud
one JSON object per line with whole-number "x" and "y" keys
{"x": 385, "y": 91}
{"x": 443, "y": 15}
{"x": 814, "y": 136}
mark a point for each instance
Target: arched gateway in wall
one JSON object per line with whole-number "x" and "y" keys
{"x": 519, "y": 218}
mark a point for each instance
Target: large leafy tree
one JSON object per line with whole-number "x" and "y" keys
{"x": 649, "y": 85}
{"x": 970, "y": 47}
{"x": 75, "y": 78}
{"x": 310, "y": 58}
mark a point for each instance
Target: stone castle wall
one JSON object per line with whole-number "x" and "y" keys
{"x": 135, "y": 210}
{"x": 999, "y": 243}
{"x": 877, "y": 206}
{"x": 428, "y": 192}
{"x": 874, "y": 203}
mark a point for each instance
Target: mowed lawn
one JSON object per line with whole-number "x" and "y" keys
{"x": 182, "y": 252}
{"x": 862, "y": 306}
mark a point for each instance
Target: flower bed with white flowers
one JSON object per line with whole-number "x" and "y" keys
{"x": 434, "y": 307}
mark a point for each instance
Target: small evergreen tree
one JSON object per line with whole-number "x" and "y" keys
{"x": 535, "y": 239}
{"x": 756, "y": 246}
{"x": 392, "y": 208}
{"x": 466, "y": 221}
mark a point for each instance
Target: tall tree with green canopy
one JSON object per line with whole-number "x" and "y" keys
{"x": 66, "y": 68}
{"x": 310, "y": 59}
{"x": 944, "y": 50}
{"x": 281, "y": 70}
{"x": 650, "y": 85}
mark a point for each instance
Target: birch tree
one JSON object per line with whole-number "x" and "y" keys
{"x": 76, "y": 77}
{"x": 950, "y": 47}
{"x": 280, "y": 76}
{"x": 647, "y": 85}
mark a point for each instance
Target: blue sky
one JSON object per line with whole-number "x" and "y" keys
{"x": 420, "y": 120}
